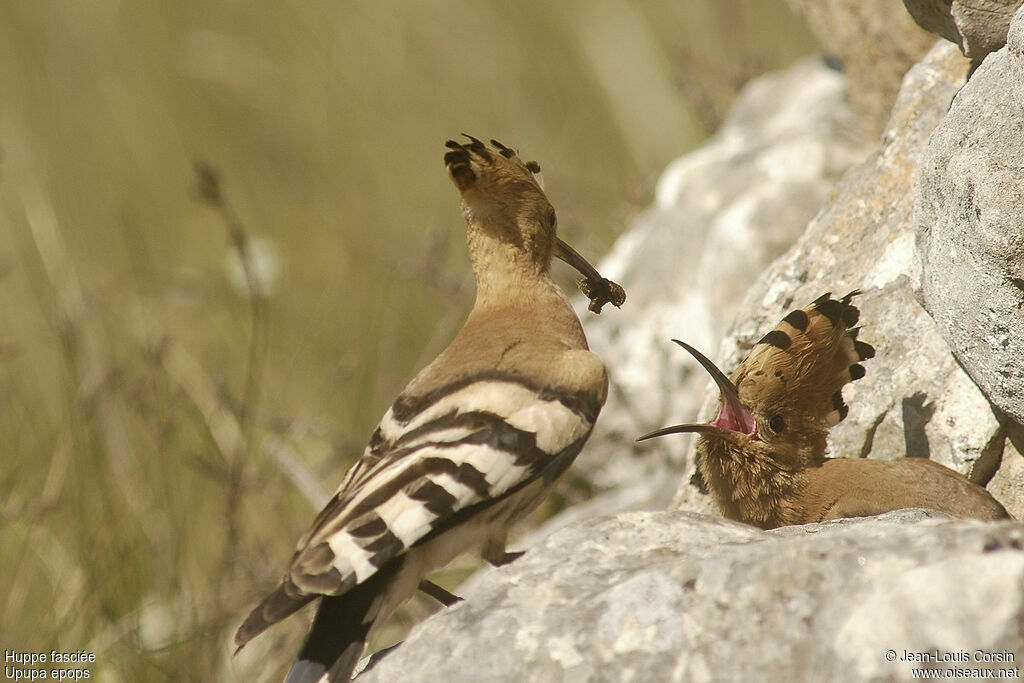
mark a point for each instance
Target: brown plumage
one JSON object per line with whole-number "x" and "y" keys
{"x": 473, "y": 443}
{"x": 763, "y": 456}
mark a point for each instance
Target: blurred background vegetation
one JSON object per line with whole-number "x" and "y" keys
{"x": 170, "y": 414}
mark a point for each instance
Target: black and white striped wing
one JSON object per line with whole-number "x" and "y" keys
{"x": 469, "y": 444}
{"x": 432, "y": 461}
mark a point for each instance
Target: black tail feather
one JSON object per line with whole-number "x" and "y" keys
{"x": 339, "y": 631}
{"x": 284, "y": 601}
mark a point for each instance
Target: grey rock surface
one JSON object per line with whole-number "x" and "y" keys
{"x": 876, "y": 41}
{"x": 721, "y": 214}
{"x": 970, "y": 219}
{"x": 1008, "y": 483}
{"x": 673, "y": 596}
{"x": 915, "y": 399}
{"x": 978, "y": 27}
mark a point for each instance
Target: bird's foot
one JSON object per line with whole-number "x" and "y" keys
{"x": 443, "y": 596}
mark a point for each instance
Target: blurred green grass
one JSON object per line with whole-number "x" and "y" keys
{"x": 147, "y": 496}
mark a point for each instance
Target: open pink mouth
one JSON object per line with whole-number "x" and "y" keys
{"x": 735, "y": 417}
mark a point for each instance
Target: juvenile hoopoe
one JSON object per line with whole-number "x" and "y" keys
{"x": 474, "y": 442}
{"x": 763, "y": 456}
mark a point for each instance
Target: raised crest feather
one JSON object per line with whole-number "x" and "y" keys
{"x": 808, "y": 358}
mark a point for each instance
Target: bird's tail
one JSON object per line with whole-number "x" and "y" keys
{"x": 338, "y": 635}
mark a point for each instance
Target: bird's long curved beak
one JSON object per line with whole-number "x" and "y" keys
{"x": 733, "y": 417}
{"x": 599, "y": 290}
{"x": 683, "y": 429}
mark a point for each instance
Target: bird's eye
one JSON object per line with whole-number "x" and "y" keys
{"x": 776, "y": 423}
{"x": 550, "y": 219}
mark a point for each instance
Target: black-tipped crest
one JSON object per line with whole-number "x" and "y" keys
{"x": 466, "y": 160}
{"x": 459, "y": 164}
{"x": 478, "y": 147}
{"x": 798, "y": 319}
{"x": 829, "y": 307}
{"x": 839, "y": 405}
{"x": 794, "y": 374}
{"x": 777, "y": 338}
{"x": 459, "y": 159}
{"x": 813, "y": 351}
{"x": 863, "y": 350}
{"x": 506, "y": 152}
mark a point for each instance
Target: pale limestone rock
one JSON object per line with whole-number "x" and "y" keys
{"x": 968, "y": 213}
{"x": 673, "y": 596}
{"x": 978, "y": 27}
{"x": 876, "y": 41}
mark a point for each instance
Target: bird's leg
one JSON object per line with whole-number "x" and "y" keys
{"x": 495, "y": 553}
{"x": 506, "y": 558}
{"x": 440, "y": 594}
{"x": 375, "y": 658}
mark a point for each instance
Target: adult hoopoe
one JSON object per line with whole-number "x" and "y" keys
{"x": 763, "y": 456}
{"x": 473, "y": 443}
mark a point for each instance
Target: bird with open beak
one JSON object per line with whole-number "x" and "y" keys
{"x": 763, "y": 455}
